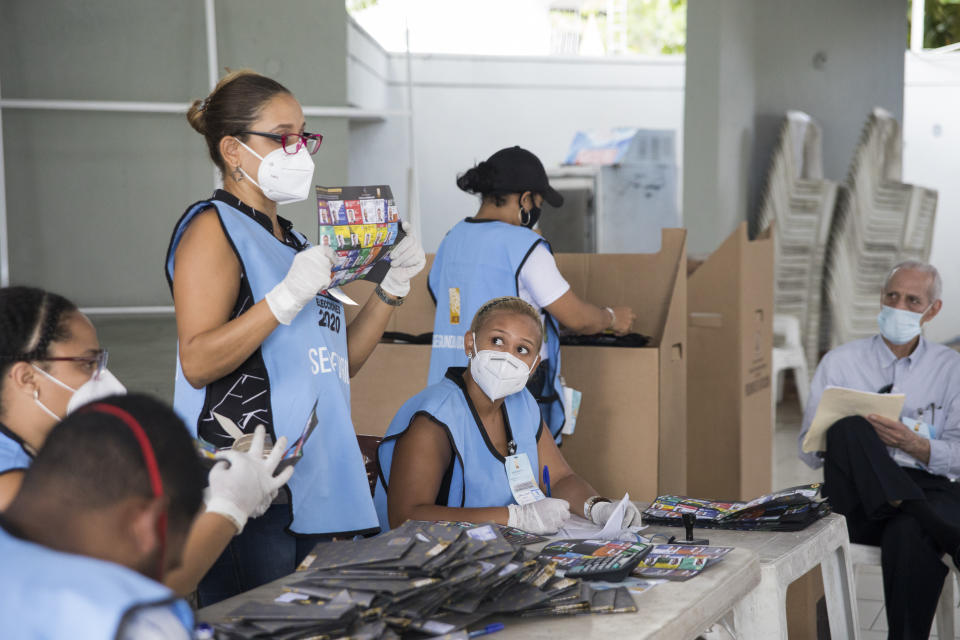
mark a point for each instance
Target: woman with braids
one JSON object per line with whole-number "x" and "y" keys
{"x": 497, "y": 253}
{"x": 260, "y": 340}
{"x": 51, "y": 364}
{"x": 463, "y": 448}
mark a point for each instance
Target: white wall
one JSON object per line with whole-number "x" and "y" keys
{"x": 467, "y": 107}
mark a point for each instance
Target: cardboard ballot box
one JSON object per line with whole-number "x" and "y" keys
{"x": 729, "y": 431}
{"x": 631, "y": 430}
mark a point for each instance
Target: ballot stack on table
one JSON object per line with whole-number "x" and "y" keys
{"x": 421, "y": 579}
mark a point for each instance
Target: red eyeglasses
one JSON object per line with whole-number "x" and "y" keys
{"x": 291, "y": 142}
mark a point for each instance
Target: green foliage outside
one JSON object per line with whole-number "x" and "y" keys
{"x": 359, "y": 5}
{"x": 941, "y": 24}
{"x": 657, "y": 26}
{"x": 654, "y": 27}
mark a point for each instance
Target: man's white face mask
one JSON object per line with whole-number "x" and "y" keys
{"x": 99, "y": 386}
{"x": 899, "y": 326}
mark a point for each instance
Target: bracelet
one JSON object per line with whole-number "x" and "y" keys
{"x": 393, "y": 302}
{"x": 589, "y": 504}
{"x": 613, "y": 317}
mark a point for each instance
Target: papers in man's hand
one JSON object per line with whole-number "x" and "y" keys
{"x": 838, "y": 402}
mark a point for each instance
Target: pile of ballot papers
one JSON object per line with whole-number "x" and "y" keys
{"x": 421, "y": 579}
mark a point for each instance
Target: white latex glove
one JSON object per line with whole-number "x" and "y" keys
{"x": 602, "y": 511}
{"x": 309, "y": 274}
{"x": 407, "y": 259}
{"x": 542, "y": 516}
{"x": 246, "y": 486}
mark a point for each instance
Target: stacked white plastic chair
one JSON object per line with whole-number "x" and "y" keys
{"x": 879, "y": 221}
{"x": 799, "y": 204}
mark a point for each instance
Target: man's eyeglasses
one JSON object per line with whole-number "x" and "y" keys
{"x": 291, "y": 142}
{"x": 97, "y": 361}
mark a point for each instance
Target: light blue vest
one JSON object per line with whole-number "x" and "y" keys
{"x": 305, "y": 361}
{"x": 51, "y": 594}
{"x": 12, "y": 454}
{"x": 479, "y": 478}
{"x": 478, "y": 261}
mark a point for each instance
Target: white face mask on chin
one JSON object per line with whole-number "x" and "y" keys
{"x": 96, "y": 388}
{"x": 283, "y": 177}
{"x": 497, "y": 373}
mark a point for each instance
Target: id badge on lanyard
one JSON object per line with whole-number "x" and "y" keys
{"x": 523, "y": 484}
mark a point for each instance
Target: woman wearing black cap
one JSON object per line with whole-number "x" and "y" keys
{"x": 496, "y": 253}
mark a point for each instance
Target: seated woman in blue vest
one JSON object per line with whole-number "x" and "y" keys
{"x": 101, "y": 517}
{"x": 257, "y": 341}
{"x": 497, "y": 253}
{"x": 51, "y": 364}
{"x": 448, "y": 451}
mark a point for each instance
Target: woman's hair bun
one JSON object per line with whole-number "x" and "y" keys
{"x": 479, "y": 179}
{"x": 195, "y": 115}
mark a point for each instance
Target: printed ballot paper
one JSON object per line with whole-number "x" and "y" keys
{"x": 838, "y": 402}
{"x": 361, "y": 225}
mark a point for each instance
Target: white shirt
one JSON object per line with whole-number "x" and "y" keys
{"x": 929, "y": 377}
{"x": 540, "y": 282}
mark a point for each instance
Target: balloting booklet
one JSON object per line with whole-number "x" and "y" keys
{"x": 361, "y": 224}
{"x": 785, "y": 510}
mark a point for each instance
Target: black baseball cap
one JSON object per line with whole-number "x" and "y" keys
{"x": 517, "y": 170}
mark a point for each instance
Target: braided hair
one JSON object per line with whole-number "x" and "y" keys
{"x": 31, "y": 320}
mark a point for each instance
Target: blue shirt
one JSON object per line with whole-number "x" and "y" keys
{"x": 929, "y": 378}
{"x": 15, "y": 454}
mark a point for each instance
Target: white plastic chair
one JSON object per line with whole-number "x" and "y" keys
{"x": 788, "y": 355}
{"x": 864, "y": 554}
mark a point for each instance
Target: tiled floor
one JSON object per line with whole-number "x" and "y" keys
{"x": 788, "y": 470}
{"x": 143, "y": 356}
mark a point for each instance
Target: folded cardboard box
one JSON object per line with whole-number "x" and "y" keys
{"x": 631, "y": 430}
{"x": 729, "y": 431}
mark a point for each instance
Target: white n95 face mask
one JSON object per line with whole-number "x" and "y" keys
{"x": 498, "y": 374}
{"x": 96, "y": 388}
{"x": 283, "y": 177}
{"x": 899, "y": 326}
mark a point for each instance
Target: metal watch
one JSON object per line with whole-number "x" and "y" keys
{"x": 393, "y": 302}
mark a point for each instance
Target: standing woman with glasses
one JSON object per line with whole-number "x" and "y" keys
{"x": 259, "y": 343}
